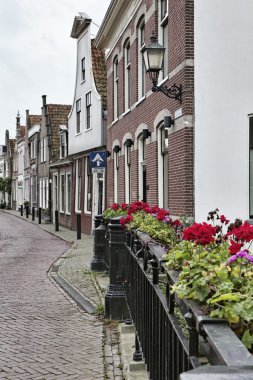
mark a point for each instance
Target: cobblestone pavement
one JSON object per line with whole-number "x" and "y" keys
{"x": 43, "y": 334}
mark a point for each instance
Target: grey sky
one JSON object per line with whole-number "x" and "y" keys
{"x": 37, "y": 54}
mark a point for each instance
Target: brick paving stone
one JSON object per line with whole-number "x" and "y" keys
{"x": 42, "y": 333}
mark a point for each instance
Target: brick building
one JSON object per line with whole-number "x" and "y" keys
{"x": 149, "y": 160}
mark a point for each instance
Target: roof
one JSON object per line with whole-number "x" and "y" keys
{"x": 22, "y": 130}
{"x": 33, "y": 120}
{"x": 80, "y": 24}
{"x": 99, "y": 72}
{"x": 12, "y": 143}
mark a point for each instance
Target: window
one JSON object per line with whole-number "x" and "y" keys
{"x": 47, "y": 192}
{"x": 83, "y": 69}
{"x": 33, "y": 148}
{"x": 251, "y": 167}
{"x": 34, "y": 188}
{"x": 78, "y": 116}
{"x": 115, "y": 174}
{"x": 115, "y": 89}
{"x": 62, "y": 198}
{"x": 55, "y": 194}
{"x": 41, "y": 192}
{"x": 141, "y": 66}
{"x": 43, "y": 149}
{"x": 63, "y": 145}
{"x": 88, "y": 110}
{"x": 162, "y": 136}
{"x": 142, "y": 170}
{"x": 68, "y": 192}
{"x": 163, "y": 34}
{"x": 127, "y": 88}
{"x": 88, "y": 187}
{"x": 127, "y": 174}
{"x": 78, "y": 184}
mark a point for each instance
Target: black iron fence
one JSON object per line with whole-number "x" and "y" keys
{"x": 173, "y": 336}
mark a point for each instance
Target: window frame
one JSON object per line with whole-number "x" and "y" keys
{"x": 163, "y": 35}
{"x": 78, "y": 116}
{"x": 115, "y": 176}
{"x": 62, "y": 192}
{"x": 83, "y": 69}
{"x": 127, "y": 174}
{"x": 141, "y": 65}
{"x": 163, "y": 166}
{"x": 88, "y": 110}
{"x": 68, "y": 193}
{"x": 142, "y": 195}
{"x": 127, "y": 76}
{"x": 88, "y": 187}
{"x": 115, "y": 87}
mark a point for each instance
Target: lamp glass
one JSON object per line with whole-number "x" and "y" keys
{"x": 153, "y": 56}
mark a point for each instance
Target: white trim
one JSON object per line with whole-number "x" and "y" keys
{"x": 86, "y": 211}
{"x": 68, "y": 189}
{"x": 33, "y": 130}
{"x": 115, "y": 177}
{"x": 77, "y": 210}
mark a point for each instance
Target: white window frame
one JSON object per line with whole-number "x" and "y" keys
{"x": 47, "y": 191}
{"x": 163, "y": 166}
{"x": 127, "y": 84}
{"x": 68, "y": 191}
{"x": 78, "y": 116}
{"x": 115, "y": 88}
{"x": 62, "y": 196}
{"x": 88, "y": 110}
{"x": 141, "y": 164}
{"x": 141, "y": 65}
{"x": 78, "y": 210}
{"x": 115, "y": 175}
{"x": 127, "y": 174}
{"x": 63, "y": 145}
{"x": 163, "y": 35}
{"x": 83, "y": 69}
{"x": 87, "y": 178}
{"x": 41, "y": 193}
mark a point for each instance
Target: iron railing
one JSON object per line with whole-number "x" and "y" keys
{"x": 174, "y": 335}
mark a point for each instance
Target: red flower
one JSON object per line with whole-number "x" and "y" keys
{"x": 126, "y": 220}
{"x": 200, "y": 233}
{"x": 223, "y": 219}
{"x": 243, "y": 233}
{"x": 234, "y": 247}
{"x": 176, "y": 223}
{"x": 115, "y": 206}
{"x": 124, "y": 206}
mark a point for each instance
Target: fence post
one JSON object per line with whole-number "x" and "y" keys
{"x": 33, "y": 213}
{"x": 56, "y": 219}
{"x": 27, "y": 211}
{"x": 98, "y": 263}
{"x": 115, "y": 298}
{"x": 21, "y": 210}
{"x": 78, "y": 226}
{"x": 39, "y": 215}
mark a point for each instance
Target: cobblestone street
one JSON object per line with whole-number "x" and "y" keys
{"x": 43, "y": 334}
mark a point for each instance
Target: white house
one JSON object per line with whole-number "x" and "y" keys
{"x": 86, "y": 125}
{"x": 224, "y": 108}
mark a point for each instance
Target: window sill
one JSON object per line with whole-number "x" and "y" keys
{"x": 87, "y": 212}
{"x": 140, "y": 100}
{"x": 88, "y": 130}
{"x": 83, "y": 81}
{"x": 126, "y": 112}
{"x": 67, "y": 213}
{"x": 115, "y": 121}
{"x": 78, "y": 134}
{"x": 163, "y": 81}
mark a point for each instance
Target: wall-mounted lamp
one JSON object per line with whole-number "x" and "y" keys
{"x": 116, "y": 149}
{"x": 129, "y": 143}
{"x": 108, "y": 154}
{"x": 145, "y": 134}
{"x": 168, "y": 122}
{"x": 153, "y": 56}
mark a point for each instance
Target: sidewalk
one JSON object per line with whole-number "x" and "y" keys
{"x": 72, "y": 272}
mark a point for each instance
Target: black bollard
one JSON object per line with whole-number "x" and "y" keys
{"x": 39, "y": 216}
{"x": 56, "y": 219}
{"x": 115, "y": 297}
{"x": 21, "y": 210}
{"x": 27, "y": 211}
{"x": 78, "y": 226}
{"x": 33, "y": 213}
{"x": 98, "y": 263}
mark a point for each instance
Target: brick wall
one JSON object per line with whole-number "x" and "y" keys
{"x": 180, "y": 151}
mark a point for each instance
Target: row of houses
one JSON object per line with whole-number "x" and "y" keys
{"x": 179, "y": 137}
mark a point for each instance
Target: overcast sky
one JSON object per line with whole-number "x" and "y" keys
{"x": 37, "y": 54}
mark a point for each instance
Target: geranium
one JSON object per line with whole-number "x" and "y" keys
{"x": 126, "y": 220}
{"x": 224, "y": 220}
{"x": 242, "y": 233}
{"x": 115, "y": 206}
{"x": 200, "y": 233}
{"x": 124, "y": 206}
{"x": 241, "y": 255}
{"x": 234, "y": 247}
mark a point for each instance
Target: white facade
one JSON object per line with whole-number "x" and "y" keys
{"x": 20, "y": 170}
{"x": 87, "y": 138}
{"x": 223, "y": 103}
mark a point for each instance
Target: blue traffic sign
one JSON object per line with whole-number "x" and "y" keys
{"x": 98, "y": 159}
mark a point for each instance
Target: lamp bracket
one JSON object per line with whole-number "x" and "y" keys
{"x": 174, "y": 92}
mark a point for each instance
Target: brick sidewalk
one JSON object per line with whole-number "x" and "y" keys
{"x": 74, "y": 267}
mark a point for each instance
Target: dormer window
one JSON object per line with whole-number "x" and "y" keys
{"x": 63, "y": 141}
{"x": 83, "y": 69}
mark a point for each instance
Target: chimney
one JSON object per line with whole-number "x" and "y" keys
{"x": 44, "y": 100}
{"x": 18, "y": 131}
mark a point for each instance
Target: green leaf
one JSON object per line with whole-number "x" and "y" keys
{"x": 247, "y": 339}
{"x": 226, "y": 297}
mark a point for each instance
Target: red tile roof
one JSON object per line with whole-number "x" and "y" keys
{"x": 99, "y": 72}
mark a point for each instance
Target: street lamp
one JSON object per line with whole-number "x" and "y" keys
{"x": 153, "y": 56}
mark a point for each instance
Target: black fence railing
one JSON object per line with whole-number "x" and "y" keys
{"x": 174, "y": 337}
